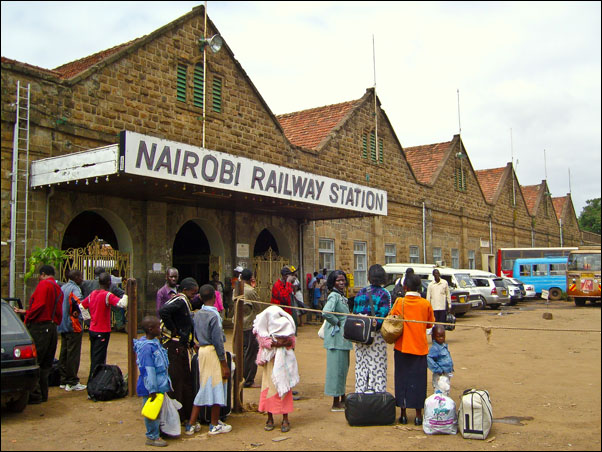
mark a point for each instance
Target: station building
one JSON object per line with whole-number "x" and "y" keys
{"x": 161, "y": 153}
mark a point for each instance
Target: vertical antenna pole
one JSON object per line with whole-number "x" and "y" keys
{"x": 459, "y": 124}
{"x": 545, "y": 164}
{"x": 204, "y": 71}
{"x": 375, "y": 105}
{"x": 512, "y": 175}
{"x": 570, "y": 191}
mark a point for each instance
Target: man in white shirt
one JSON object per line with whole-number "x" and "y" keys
{"x": 439, "y": 296}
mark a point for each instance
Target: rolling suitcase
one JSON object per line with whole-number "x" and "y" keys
{"x": 205, "y": 415}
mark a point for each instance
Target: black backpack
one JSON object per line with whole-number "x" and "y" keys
{"x": 107, "y": 383}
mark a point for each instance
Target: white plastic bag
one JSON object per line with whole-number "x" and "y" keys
{"x": 441, "y": 383}
{"x": 321, "y": 330}
{"x": 169, "y": 417}
{"x": 440, "y": 416}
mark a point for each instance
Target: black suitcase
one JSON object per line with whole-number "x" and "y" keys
{"x": 205, "y": 415}
{"x": 370, "y": 408}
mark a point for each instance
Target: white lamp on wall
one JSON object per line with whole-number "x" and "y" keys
{"x": 215, "y": 43}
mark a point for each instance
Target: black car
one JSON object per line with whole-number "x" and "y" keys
{"x": 20, "y": 370}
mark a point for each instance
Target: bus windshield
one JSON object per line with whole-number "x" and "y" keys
{"x": 584, "y": 261}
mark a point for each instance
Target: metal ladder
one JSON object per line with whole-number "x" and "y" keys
{"x": 20, "y": 187}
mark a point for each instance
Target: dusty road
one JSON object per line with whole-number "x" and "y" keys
{"x": 551, "y": 377}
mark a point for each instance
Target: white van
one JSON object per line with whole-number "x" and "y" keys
{"x": 490, "y": 286}
{"x": 461, "y": 280}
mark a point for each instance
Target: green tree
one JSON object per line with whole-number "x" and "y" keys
{"x": 45, "y": 256}
{"x": 589, "y": 219}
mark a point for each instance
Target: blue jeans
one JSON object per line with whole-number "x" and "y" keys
{"x": 152, "y": 427}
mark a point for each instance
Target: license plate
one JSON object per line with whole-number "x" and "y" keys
{"x": 476, "y": 304}
{"x": 504, "y": 292}
{"x": 587, "y": 275}
{"x": 462, "y": 298}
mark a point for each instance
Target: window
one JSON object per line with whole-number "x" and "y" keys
{"x": 455, "y": 256}
{"x": 197, "y": 98}
{"x": 460, "y": 179}
{"x": 436, "y": 255}
{"x": 360, "y": 260}
{"x": 181, "y": 83}
{"x": 414, "y": 255}
{"x": 525, "y": 270}
{"x": 374, "y": 157}
{"x": 217, "y": 95}
{"x": 557, "y": 269}
{"x": 471, "y": 260}
{"x": 326, "y": 254}
{"x": 540, "y": 269}
{"x": 390, "y": 254}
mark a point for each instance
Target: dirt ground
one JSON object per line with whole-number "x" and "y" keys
{"x": 551, "y": 378}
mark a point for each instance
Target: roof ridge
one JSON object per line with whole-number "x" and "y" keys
{"x": 318, "y": 108}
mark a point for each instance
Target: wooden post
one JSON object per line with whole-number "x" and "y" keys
{"x": 237, "y": 346}
{"x": 132, "y": 329}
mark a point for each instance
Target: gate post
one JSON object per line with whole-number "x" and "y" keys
{"x": 237, "y": 345}
{"x": 132, "y": 329}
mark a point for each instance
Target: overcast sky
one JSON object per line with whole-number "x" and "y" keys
{"x": 528, "y": 74}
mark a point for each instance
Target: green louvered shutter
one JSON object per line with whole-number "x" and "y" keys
{"x": 181, "y": 83}
{"x": 380, "y": 151}
{"x": 216, "y": 94}
{"x": 198, "y": 77}
{"x": 373, "y": 147}
{"x": 365, "y": 146}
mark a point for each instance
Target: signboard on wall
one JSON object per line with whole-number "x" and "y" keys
{"x": 148, "y": 156}
{"x": 242, "y": 250}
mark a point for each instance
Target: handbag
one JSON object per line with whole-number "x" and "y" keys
{"x": 450, "y": 318}
{"x": 392, "y": 327}
{"x": 370, "y": 408}
{"x": 360, "y": 328}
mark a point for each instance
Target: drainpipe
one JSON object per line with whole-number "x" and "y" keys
{"x": 561, "y": 241}
{"x": 48, "y": 196}
{"x": 423, "y": 232}
{"x": 490, "y": 237}
{"x": 301, "y": 277}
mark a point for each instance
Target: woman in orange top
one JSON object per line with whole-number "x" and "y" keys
{"x": 411, "y": 350}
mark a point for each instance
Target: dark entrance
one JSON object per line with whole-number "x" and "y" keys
{"x": 85, "y": 227}
{"x": 265, "y": 241}
{"x": 191, "y": 252}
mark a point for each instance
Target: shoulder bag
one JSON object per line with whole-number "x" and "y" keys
{"x": 360, "y": 328}
{"x": 392, "y": 327}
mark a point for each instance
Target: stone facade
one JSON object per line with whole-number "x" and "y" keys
{"x": 135, "y": 87}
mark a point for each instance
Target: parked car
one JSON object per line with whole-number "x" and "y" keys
{"x": 460, "y": 299}
{"x": 460, "y": 280}
{"x": 20, "y": 370}
{"x": 530, "y": 292}
{"x": 516, "y": 290}
{"x": 492, "y": 290}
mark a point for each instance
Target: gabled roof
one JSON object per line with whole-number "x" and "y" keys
{"x": 309, "y": 128}
{"x": 532, "y": 194}
{"x": 490, "y": 181}
{"x": 70, "y": 70}
{"x": 559, "y": 205}
{"x": 428, "y": 160}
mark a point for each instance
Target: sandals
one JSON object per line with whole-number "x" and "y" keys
{"x": 268, "y": 427}
{"x": 285, "y": 427}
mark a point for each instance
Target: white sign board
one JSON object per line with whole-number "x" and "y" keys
{"x": 148, "y": 156}
{"x": 242, "y": 250}
{"x": 544, "y": 294}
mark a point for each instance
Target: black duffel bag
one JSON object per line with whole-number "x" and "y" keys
{"x": 370, "y": 408}
{"x": 359, "y": 328}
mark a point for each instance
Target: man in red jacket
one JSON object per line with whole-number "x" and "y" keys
{"x": 44, "y": 313}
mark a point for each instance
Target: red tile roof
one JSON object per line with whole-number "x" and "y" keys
{"x": 489, "y": 180}
{"x": 531, "y": 194}
{"x": 70, "y": 70}
{"x": 308, "y": 128}
{"x": 30, "y": 66}
{"x": 425, "y": 160}
{"x": 559, "y": 204}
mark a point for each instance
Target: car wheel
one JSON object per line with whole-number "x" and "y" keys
{"x": 555, "y": 294}
{"x": 580, "y": 302}
{"x": 19, "y": 404}
{"x": 494, "y": 306}
{"x": 460, "y": 314}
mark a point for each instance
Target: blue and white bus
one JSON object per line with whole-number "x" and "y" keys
{"x": 544, "y": 273}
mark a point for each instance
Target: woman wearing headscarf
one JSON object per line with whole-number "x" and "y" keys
{"x": 371, "y": 360}
{"x": 275, "y": 332}
{"x": 337, "y": 347}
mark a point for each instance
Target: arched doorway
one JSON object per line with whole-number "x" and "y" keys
{"x": 265, "y": 241}
{"x": 191, "y": 253}
{"x": 84, "y": 227}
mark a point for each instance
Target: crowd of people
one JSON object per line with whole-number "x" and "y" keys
{"x": 189, "y": 322}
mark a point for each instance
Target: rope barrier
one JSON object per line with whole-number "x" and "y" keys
{"x": 486, "y": 328}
